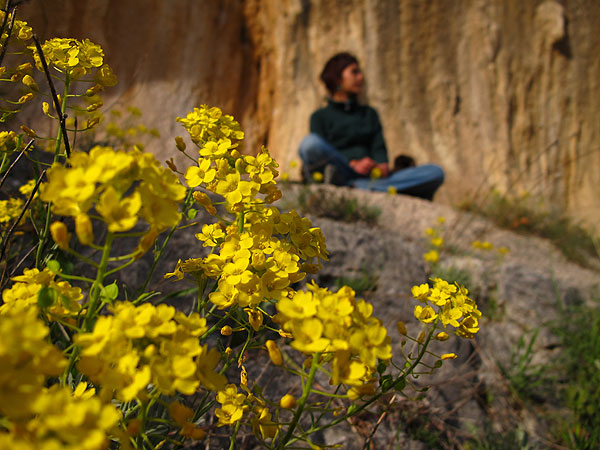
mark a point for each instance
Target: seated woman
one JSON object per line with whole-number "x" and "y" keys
{"x": 346, "y": 141}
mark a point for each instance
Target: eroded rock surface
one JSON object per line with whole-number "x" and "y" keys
{"x": 499, "y": 93}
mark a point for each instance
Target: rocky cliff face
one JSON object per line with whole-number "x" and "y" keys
{"x": 500, "y": 93}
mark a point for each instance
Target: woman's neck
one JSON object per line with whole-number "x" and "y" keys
{"x": 340, "y": 96}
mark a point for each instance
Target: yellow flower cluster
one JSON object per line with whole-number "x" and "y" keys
{"x": 449, "y": 304}
{"x": 234, "y": 405}
{"x": 75, "y": 59}
{"x": 141, "y": 345}
{"x": 21, "y": 30}
{"x": 209, "y": 124}
{"x": 321, "y": 321}
{"x": 263, "y": 251}
{"x": 10, "y": 209}
{"x": 436, "y": 241}
{"x": 123, "y": 186}
{"x": 59, "y": 299}
{"x": 9, "y": 142}
{"x": 37, "y": 417}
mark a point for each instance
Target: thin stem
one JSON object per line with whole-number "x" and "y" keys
{"x": 302, "y": 401}
{"x": 353, "y": 411}
{"x": 158, "y": 255}
{"x": 234, "y": 435}
{"x": 96, "y": 286}
{"x": 122, "y": 266}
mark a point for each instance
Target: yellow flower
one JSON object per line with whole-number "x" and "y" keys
{"x": 421, "y": 292}
{"x": 317, "y": 176}
{"x": 392, "y": 190}
{"x": 202, "y": 173}
{"x": 437, "y": 242}
{"x": 9, "y": 141}
{"x": 120, "y": 214}
{"x": 426, "y": 314}
{"x": 449, "y": 356}
{"x": 431, "y": 256}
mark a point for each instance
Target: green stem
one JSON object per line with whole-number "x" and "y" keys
{"x": 234, "y": 435}
{"x": 353, "y": 411}
{"x": 158, "y": 255}
{"x": 302, "y": 401}
{"x": 97, "y": 286}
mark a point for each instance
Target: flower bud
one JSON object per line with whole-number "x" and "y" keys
{"x": 180, "y": 143}
{"x": 287, "y": 402}
{"x": 442, "y": 336}
{"x": 25, "y": 67}
{"x": 274, "y": 352}
{"x": 30, "y": 82}
{"x": 226, "y": 330}
{"x": 401, "y": 328}
{"x": 84, "y": 229}
{"x": 28, "y": 131}
{"x": 60, "y": 235}
{"x": 449, "y": 356}
{"x": 93, "y": 107}
{"x": 25, "y": 98}
{"x": 421, "y": 337}
{"x": 255, "y": 318}
{"x": 92, "y": 122}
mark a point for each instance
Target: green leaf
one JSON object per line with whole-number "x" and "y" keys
{"x": 192, "y": 213}
{"x": 401, "y": 385}
{"x": 386, "y": 382}
{"x": 53, "y": 265}
{"x": 46, "y": 297}
{"x": 438, "y": 364}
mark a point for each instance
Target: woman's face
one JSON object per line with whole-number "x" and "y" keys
{"x": 352, "y": 79}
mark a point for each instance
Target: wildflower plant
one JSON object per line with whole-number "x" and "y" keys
{"x": 85, "y": 366}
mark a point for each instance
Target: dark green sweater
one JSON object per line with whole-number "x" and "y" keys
{"x": 353, "y": 129}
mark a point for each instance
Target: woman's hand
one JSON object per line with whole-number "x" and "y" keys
{"x": 363, "y": 165}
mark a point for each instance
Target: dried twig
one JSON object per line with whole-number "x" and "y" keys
{"x": 14, "y": 163}
{"x": 14, "y": 225}
{"x": 10, "y": 27}
{"x": 61, "y": 117}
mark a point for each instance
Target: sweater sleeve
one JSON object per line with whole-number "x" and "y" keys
{"x": 378, "y": 149}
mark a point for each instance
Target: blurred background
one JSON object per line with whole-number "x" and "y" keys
{"x": 504, "y": 94}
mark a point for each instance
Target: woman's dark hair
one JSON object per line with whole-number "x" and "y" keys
{"x": 332, "y": 72}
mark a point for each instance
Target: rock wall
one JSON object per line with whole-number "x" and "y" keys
{"x": 501, "y": 93}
